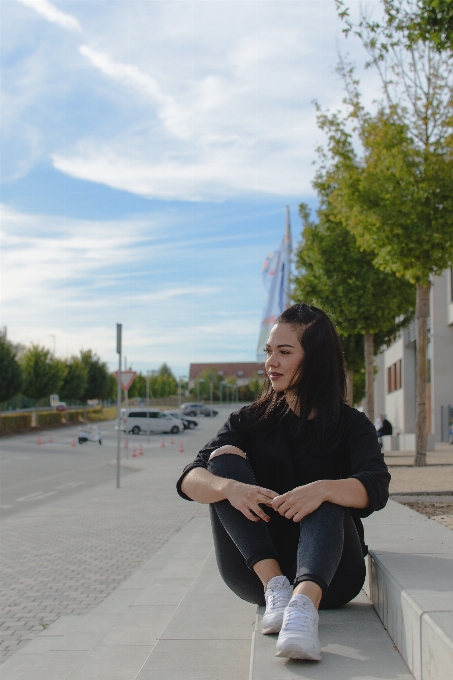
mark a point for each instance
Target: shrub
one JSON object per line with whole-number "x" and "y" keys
{"x": 16, "y": 422}
{"x": 49, "y": 418}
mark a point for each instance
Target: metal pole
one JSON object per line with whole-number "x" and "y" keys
{"x": 127, "y": 423}
{"x": 147, "y": 405}
{"x": 119, "y": 328}
{"x": 179, "y": 393}
{"x": 198, "y": 390}
{"x": 210, "y": 391}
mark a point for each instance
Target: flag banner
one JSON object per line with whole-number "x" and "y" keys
{"x": 276, "y": 279}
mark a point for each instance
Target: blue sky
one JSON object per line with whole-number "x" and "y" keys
{"x": 148, "y": 151}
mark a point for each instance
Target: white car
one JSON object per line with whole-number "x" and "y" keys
{"x": 144, "y": 419}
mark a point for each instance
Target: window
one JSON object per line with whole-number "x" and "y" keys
{"x": 394, "y": 377}
{"x": 137, "y": 414}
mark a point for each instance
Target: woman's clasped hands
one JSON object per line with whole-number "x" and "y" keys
{"x": 294, "y": 504}
{"x": 300, "y": 502}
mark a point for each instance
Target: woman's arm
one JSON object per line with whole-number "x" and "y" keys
{"x": 303, "y": 500}
{"x": 204, "y": 487}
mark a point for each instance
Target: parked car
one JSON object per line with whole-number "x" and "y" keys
{"x": 189, "y": 423}
{"x": 61, "y": 406}
{"x": 196, "y": 409}
{"x": 140, "y": 420}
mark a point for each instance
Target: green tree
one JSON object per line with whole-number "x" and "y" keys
{"x": 75, "y": 381}
{"x": 10, "y": 372}
{"x": 98, "y": 384}
{"x": 42, "y": 374}
{"x": 337, "y": 276}
{"x": 422, "y": 21}
{"x": 165, "y": 370}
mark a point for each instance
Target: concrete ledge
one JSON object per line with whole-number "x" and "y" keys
{"x": 410, "y": 583}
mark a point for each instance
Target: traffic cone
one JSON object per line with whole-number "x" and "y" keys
{"x": 140, "y": 450}
{"x": 125, "y": 444}
{"x": 50, "y": 439}
{"x": 172, "y": 441}
{"x": 73, "y": 442}
{"x": 162, "y": 445}
{"x": 38, "y": 441}
{"x": 134, "y": 453}
{"x": 181, "y": 448}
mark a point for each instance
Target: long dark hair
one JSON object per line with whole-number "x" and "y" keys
{"x": 319, "y": 383}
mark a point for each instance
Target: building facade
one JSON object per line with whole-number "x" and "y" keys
{"x": 395, "y": 393}
{"x": 243, "y": 371}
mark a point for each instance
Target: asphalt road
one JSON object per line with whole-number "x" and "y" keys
{"x": 32, "y": 474}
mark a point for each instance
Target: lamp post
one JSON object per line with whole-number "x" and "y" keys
{"x": 51, "y": 335}
{"x": 147, "y": 405}
{"x": 181, "y": 377}
{"x": 198, "y": 387}
{"x": 222, "y": 383}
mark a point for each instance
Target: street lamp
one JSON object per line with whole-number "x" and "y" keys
{"x": 181, "y": 377}
{"x": 222, "y": 383}
{"x": 51, "y": 335}
{"x": 147, "y": 404}
{"x": 198, "y": 387}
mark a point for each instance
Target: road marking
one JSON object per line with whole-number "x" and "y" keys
{"x": 69, "y": 485}
{"x": 35, "y": 496}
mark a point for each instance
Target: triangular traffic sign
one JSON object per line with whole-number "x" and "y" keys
{"x": 127, "y": 378}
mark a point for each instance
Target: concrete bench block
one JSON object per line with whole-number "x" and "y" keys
{"x": 410, "y": 582}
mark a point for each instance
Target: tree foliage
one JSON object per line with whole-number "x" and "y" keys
{"x": 423, "y": 21}
{"x": 10, "y": 372}
{"x": 75, "y": 381}
{"x": 337, "y": 276}
{"x": 97, "y": 384}
{"x": 42, "y": 374}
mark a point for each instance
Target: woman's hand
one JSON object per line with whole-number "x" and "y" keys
{"x": 247, "y": 499}
{"x": 301, "y": 501}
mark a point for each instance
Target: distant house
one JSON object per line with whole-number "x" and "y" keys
{"x": 242, "y": 371}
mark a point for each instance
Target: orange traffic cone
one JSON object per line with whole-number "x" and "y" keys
{"x": 73, "y": 442}
{"x": 50, "y": 439}
{"x": 140, "y": 450}
{"x": 172, "y": 441}
{"x": 162, "y": 445}
{"x": 125, "y": 444}
{"x": 134, "y": 453}
{"x": 181, "y": 448}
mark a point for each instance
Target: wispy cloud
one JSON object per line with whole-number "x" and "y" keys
{"x": 48, "y": 11}
{"x": 132, "y": 77}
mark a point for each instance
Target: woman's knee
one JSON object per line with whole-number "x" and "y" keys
{"x": 224, "y": 450}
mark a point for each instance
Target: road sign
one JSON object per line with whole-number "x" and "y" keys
{"x": 127, "y": 378}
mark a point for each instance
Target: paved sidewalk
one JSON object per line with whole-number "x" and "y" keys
{"x": 67, "y": 556}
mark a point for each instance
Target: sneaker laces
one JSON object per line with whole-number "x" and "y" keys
{"x": 299, "y": 617}
{"x": 277, "y": 596}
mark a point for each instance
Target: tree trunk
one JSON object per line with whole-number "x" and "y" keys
{"x": 421, "y": 314}
{"x": 369, "y": 375}
{"x": 349, "y": 387}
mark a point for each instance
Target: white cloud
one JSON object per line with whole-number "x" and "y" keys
{"x": 132, "y": 77}
{"x": 76, "y": 278}
{"x": 53, "y": 14}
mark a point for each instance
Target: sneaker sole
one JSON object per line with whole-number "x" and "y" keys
{"x": 294, "y": 651}
{"x": 273, "y": 629}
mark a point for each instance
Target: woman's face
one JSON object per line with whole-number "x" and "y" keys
{"x": 284, "y": 354}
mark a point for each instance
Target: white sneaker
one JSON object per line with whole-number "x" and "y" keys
{"x": 278, "y": 594}
{"x": 298, "y": 637}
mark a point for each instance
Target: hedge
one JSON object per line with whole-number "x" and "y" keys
{"x": 49, "y": 418}
{"x": 73, "y": 415}
{"x": 16, "y": 422}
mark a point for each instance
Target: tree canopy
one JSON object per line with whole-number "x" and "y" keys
{"x": 10, "y": 372}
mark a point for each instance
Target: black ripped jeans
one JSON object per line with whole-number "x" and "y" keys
{"x": 327, "y": 552}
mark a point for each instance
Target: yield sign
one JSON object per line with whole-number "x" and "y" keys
{"x": 127, "y": 378}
